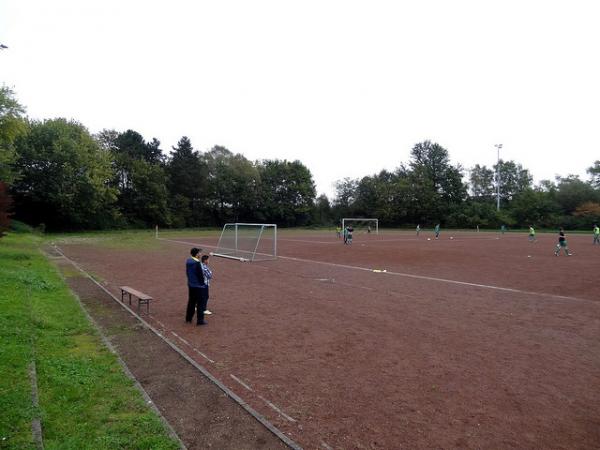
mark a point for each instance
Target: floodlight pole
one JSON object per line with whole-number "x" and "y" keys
{"x": 498, "y": 146}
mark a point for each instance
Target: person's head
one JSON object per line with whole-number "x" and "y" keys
{"x": 205, "y": 258}
{"x": 194, "y": 252}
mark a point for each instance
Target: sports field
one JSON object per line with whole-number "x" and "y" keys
{"x": 479, "y": 341}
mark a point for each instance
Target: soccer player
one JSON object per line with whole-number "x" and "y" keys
{"x": 502, "y": 229}
{"x": 596, "y": 234}
{"x": 562, "y": 243}
{"x": 350, "y": 231}
{"x": 345, "y": 235}
{"x": 532, "y": 234}
{"x": 418, "y": 229}
{"x": 338, "y": 231}
{"x": 436, "y": 230}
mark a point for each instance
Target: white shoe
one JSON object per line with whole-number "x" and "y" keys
{"x": 207, "y": 312}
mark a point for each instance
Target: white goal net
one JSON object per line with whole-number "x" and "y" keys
{"x": 360, "y": 224}
{"x": 248, "y": 241}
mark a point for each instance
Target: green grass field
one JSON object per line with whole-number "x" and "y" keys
{"x": 85, "y": 399}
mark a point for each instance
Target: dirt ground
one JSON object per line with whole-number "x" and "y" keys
{"x": 480, "y": 341}
{"x": 201, "y": 414}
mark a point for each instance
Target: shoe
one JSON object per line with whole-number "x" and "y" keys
{"x": 202, "y": 323}
{"x": 207, "y": 312}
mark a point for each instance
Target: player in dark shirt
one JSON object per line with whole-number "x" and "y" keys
{"x": 562, "y": 243}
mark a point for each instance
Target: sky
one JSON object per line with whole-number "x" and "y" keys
{"x": 346, "y": 87}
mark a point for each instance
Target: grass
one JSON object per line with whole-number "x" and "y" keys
{"x": 85, "y": 399}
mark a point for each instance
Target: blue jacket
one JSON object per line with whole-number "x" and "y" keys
{"x": 194, "y": 273}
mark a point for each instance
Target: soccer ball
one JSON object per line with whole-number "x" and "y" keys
{"x": 428, "y": 239}
{"x": 451, "y": 237}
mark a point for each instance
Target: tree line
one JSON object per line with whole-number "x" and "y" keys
{"x": 56, "y": 173}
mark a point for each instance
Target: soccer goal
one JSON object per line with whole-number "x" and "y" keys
{"x": 361, "y": 224}
{"x": 248, "y": 241}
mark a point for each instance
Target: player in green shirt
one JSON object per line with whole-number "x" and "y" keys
{"x": 532, "y": 234}
{"x": 596, "y": 234}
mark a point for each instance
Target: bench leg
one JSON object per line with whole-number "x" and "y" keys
{"x": 129, "y": 299}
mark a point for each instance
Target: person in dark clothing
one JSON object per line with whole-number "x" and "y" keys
{"x": 562, "y": 243}
{"x": 197, "y": 297}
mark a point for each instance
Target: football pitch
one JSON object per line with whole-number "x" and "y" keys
{"x": 475, "y": 340}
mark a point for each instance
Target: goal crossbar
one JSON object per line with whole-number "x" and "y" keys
{"x": 361, "y": 220}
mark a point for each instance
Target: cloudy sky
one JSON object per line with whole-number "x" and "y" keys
{"x": 346, "y": 87}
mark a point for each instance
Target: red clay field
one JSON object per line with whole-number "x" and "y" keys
{"x": 395, "y": 342}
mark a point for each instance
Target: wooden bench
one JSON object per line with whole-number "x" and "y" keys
{"x": 142, "y": 298}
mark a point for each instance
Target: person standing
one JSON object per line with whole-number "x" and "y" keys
{"x": 349, "y": 235}
{"x": 345, "y": 231}
{"x": 596, "y": 234}
{"x": 418, "y": 229}
{"x": 531, "y": 234}
{"x": 562, "y": 243}
{"x": 196, "y": 288}
{"x": 502, "y": 229}
{"x": 338, "y": 232}
{"x": 436, "y": 230}
{"x": 207, "y": 277}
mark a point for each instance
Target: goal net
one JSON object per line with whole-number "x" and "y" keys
{"x": 361, "y": 224}
{"x": 248, "y": 241}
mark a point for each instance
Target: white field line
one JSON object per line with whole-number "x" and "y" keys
{"x": 272, "y": 406}
{"x": 325, "y": 446}
{"x": 202, "y": 354}
{"x": 423, "y": 277}
{"x": 241, "y": 382}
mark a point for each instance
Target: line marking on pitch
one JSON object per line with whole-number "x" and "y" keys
{"x": 271, "y": 405}
{"x": 241, "y": 382}
{"x": 427, "y": 278}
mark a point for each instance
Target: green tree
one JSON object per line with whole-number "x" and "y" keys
{"x": 572, "y": 192}
{"x": 287, "y": 192}
{"x": 234, "y": 184}
{"x": 513, "y": 179}
{"x": 436, "y": 185}
{"x": 64, "y": 179}
{"x": 594, "y": 172}
{"x": 11, "y": 126}
{"x": 140, "y": 177}
{"x": 322, "y": 211}
{"x": 187, "y": 183}
{"x": 482, "y": 182}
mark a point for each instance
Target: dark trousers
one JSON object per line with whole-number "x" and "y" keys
{"x": 197, "y": 298}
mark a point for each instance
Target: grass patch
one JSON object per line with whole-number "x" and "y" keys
{"x": 86, "y": 401}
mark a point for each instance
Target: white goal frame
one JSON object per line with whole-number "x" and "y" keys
{"x": 236, "y": 248}
{"x": 361, "y": 219}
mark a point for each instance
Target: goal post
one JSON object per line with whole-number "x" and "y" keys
{"x": 248, "y": 241}
{"x": 361, "y": 223}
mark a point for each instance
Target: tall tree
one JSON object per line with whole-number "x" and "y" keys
{"x": 482, "y": 182}
{"x": 139, "y": 177}
{"x": 594, "y": 172}
{"x": 11, "y": 125}
{"x": 287, "y": 191}
{"x": 64, "y": 180}
{"x": 513, "y": 179}
{"x": 233, "y": 185}
{"x": 437, "y": 185}
{"x": 187, "y": 175}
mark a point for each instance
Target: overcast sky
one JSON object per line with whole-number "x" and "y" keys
{"x": 346, "y": 87}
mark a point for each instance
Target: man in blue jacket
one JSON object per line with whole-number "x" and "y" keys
{"x": 196, "y": 288}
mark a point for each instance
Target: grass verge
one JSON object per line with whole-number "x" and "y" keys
{"x": 85, "y": 399}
